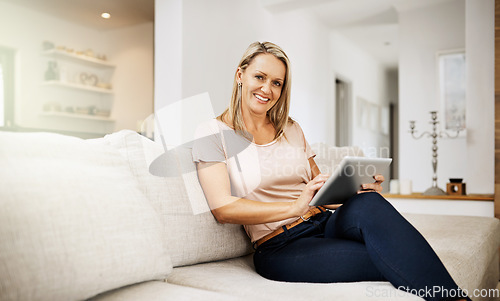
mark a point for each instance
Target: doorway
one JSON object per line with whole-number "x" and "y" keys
{"x": 6, "y": 87}
{"x": 343, "y": 110}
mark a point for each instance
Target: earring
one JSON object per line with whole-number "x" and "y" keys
{"x": 239, "y": 92}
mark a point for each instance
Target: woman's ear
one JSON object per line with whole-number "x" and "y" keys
{"x": 239, "y": 74}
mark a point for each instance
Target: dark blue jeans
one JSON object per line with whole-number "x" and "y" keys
{"x": 366, "y": 239}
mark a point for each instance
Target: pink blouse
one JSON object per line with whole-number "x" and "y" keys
{"x": 273, "y": 172}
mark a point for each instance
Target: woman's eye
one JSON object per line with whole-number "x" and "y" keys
{"x": 277, "y": 84}
{"x": 259, "y": 77}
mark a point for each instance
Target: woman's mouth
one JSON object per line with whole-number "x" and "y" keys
{"x": 261, "y": 99}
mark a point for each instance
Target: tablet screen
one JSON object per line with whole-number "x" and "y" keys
{"x": 347, "y": 178}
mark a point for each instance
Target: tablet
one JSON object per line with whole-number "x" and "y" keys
{"x": 347, "y": 178}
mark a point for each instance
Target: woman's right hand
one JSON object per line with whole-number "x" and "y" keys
{"x": 301, "y": 205}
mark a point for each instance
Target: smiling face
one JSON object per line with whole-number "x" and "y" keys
{"x": 262, "y": 82}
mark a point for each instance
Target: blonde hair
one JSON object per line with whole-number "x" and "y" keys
{"x": 278, "y": 114}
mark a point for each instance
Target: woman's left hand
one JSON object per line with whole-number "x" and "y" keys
{"x": 376, "y": 187}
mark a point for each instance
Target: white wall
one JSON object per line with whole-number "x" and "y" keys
{"x": 131, "y": 49}
{"x": 24, "y": 30}
{"x": 480, "y": 50}
{"x": 214, "y": 37}
{"x": 168, "y": 52}
{"x": 423, "y": 32}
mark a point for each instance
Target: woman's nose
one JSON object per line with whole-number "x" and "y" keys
{"x": 266, "y": 88}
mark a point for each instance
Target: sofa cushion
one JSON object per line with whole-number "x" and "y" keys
{"x": 73, "y": 222}
{"x": 238, "y": 277}
{"x": 192, "y": 233}
{"x": 466, "y": 245}
{"x": 162, "y": 291}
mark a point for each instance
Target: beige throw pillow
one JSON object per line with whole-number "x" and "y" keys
{"x": 73, "y": 222}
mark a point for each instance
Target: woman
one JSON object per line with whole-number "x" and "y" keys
{"x": 257, "y": 169}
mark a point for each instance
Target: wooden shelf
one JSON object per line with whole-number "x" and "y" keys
{"x": 81, "y": 59}
{"x": 77, "y": 116}
{"x": 468, "y": 197}
{"x": 77, "y": 86}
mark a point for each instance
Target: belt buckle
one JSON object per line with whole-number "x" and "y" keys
{"x": 311, "y": 212}
{"x": 305, "y": 220}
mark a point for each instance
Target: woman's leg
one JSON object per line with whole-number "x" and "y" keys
{"x": 302, "y": 254}
{"x": 395, "y": 247}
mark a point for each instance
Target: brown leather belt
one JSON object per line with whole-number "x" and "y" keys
{"x": 312, "y": 212}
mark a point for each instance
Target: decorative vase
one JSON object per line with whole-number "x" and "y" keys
{"x": 52, "y": 72}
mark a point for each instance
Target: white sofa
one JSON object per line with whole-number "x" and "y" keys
{"x": 84, "y": 219}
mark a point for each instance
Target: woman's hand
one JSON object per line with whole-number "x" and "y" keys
{"x": 373, "y": 186}
{"x": 301, "y": 205}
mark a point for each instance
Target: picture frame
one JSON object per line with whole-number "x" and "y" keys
{"x": 451, "y": 71}
{"x": 363, "y": 113}
{"x": 370, "y": 116}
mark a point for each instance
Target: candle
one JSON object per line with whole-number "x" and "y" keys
{"x": 405, "y": 186}
{"x": 394, "y": 186}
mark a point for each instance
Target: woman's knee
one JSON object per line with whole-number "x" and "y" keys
{"x": 365, "y": 205}
{"x": 367, "y": 200}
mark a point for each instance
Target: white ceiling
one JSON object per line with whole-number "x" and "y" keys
{"x": 88, "y": 12}
{"x": 370, "y": 24}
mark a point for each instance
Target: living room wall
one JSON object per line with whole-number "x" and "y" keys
{"x": 480, "y": 50}
{"x": 132, "y": 50}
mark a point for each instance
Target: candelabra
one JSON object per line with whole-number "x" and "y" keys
{"x": 434, "y": 190}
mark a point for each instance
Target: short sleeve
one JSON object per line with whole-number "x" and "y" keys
{"x": 309, "y": 151}
{"x": 307, "y": 148}
{"x": 207, "y": 145}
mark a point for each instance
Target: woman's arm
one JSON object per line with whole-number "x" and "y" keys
{"x": 226, "y": 208}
